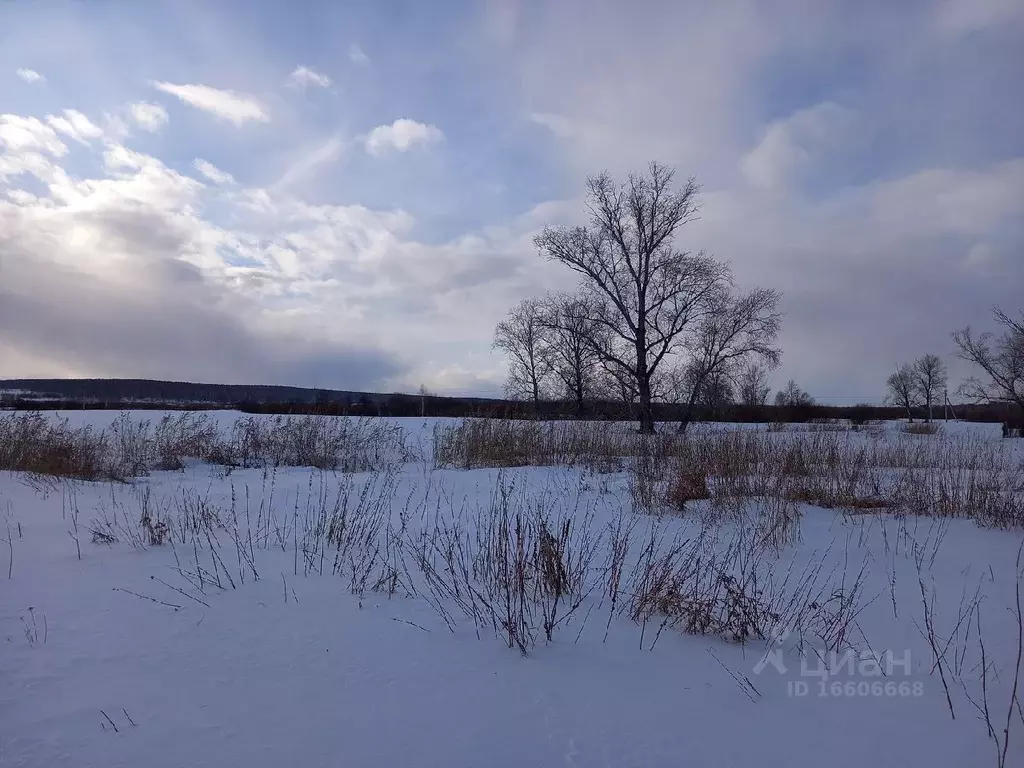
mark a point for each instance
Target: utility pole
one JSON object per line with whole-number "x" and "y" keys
{"x": 948, "y": 406}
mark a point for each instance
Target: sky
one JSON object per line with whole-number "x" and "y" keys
{"x": 344, "y": 195}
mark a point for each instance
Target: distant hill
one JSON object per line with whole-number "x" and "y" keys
{"x": 146, "y": 390}
{"x": 64, "y": 394}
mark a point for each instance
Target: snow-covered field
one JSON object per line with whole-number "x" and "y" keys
{"x": 400, "y": 616}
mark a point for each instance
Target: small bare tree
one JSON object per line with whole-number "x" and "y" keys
{"x": 752, "y": 388}
{"x": 1001, "y": 359}
{"x": 523, "y": 337}
{"x": 646, "y": 292}
{"x": 930, "y": 379}
{"x": 574, "y": 346}
{"x": 791, "y": 396}
{"x": 735, "y": 330}
{"x": 424, "y": 393}
{"x": 902, "y": 389}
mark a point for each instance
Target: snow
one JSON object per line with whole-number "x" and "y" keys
{"x": 294, "y": 669}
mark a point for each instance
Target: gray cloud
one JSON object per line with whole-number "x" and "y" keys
{"x": 156, "y": 315}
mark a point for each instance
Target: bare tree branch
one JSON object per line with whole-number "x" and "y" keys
{"x": 1001, "y": 359}
{"x": 733, "y": 330}
{"x": 574, "y": 345}
{"x": 523, "y": 336}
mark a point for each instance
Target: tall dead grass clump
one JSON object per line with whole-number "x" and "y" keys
{"x": 921, "y": 428}
{"x": 37, "y": 444}
{"x": 955, "y": 476}
{"x": 32, "y": 443}
{"x": 497, "y": 443}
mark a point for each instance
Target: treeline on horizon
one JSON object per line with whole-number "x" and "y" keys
{"x": 138, "y": 394}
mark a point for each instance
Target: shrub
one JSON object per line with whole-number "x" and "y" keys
{"x": 689, "y": 483}
{"x": 922, "y": 428}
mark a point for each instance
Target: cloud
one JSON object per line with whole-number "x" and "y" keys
{"x": 75, "y": 125}
{"x": 301, "y": 77}
{"x": 118, "y": 276}
{"x": 870, "y": 172}
{"x": 212, "y": 172}
{"x": 792, "y": 146}
{"x": 962, "y": 17}
{"x": 227, "y": 105}
{"x": 19, "y": 135}
{"x": 311, "y": 161}
{"x": 401, "y": 136}
{"x": 150, "y": 117}
{"x": 30, "y": 75}
{"x": 145, "y": 283}
{"x": 847, "y": 165}
{"x": 356, "y": 55}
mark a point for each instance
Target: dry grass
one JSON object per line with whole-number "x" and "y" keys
{"x": 602, "y": 446}
{"x": 824, "y": 465}
{"x": 36, "y": 444}
{"x": 922, "y": 428}
{"x": 522, "y": 565}
{"x": 687, "y": 483}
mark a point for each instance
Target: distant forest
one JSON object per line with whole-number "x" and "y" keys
{"x": 107, "y": 394}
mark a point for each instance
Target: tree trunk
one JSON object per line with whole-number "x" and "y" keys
{"x": 643, "y": 385}
{"x": 687, "y": 416}
{"x": 643, "y": 374}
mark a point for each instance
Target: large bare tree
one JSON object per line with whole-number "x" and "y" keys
{"x": 573, "y": 344}
{"x": 930, "y": 379}
{"x": 523, "y": 336}
{"x": 902, "y": 389}
{"x": 645, "y": 292}
{"x": 734, "y": 330}
{"x": 1001, "y": 359}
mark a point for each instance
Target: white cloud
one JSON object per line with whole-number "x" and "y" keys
{"x": 402, "y": 135}
{"x": 150, "y": 117}
{"x": 228, "y": 105}
{"x": 562, "y": 127}
{"x": 75, "y": 125}
{"x": 29, "y": 134}
{"x": 30, "y": 75}
{"x": 302, "y": 76}
{"x": 356, "y": 55}
{"x": 311, "y": 161}
{"x": 21, "y": 197}
{"x": 962, "y": 17}
{"x": 212, "y": 172}
{"x": 792, "y": 146}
